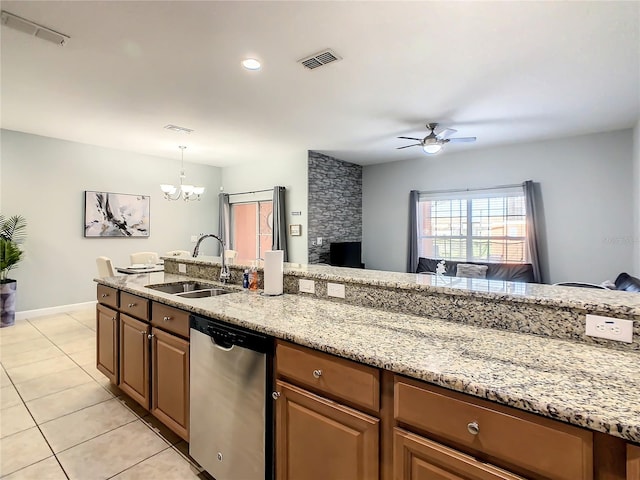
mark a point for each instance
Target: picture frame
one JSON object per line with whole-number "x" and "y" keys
{"x": 295, "y": 230}
{"x": 116, "y": 215}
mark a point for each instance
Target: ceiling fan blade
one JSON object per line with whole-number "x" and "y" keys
{"x": 445, "y": 133}
{"x": 462, "y": 139}
{"x": 407, "y": 146}
{"x": 411, "y": 138}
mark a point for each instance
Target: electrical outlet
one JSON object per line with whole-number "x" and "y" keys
{"x": 335, "y": 290}
{"x": 182, "y": 268}
{"x": 306, "y": 286}
{"x": 319, "y": 240}
{"x": 610, "y": 328}
{"x": 194, "y": 238}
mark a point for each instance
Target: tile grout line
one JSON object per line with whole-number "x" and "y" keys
{"x": 138, "y": 463}
{"x": 39, "y": 429}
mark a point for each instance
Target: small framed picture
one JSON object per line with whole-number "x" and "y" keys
{"x": 295, "y": 230}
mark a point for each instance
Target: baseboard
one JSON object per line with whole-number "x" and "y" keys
{"x": 41, "y": 312}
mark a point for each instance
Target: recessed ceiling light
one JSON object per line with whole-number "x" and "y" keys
{"x": 251, "y": 64}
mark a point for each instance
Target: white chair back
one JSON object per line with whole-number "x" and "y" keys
{"x": 144, "y": 257}
{"x": 105, "y": 267}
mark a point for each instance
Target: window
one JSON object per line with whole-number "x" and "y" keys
{"x": 482, "y": 226}
{"x": 251, "y": 228}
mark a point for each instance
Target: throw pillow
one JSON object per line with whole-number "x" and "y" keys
{"x": 471, "y": 271}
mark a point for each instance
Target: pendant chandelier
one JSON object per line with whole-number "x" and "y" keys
{"x": 182, "y": 191}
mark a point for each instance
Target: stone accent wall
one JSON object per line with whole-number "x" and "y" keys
{"x": 335, "y": 204}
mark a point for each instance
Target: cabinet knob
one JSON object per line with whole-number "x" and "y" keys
{"x": 113, "y": 318}
{"x": 275, "y": 395}
{"x": 143, "y": 332}
{"x": 473, "y": 428}
{"x": 166, "y": 319}
{"x": 131, "y": 305}
{"x": 105, "y": 295}
{"x": 317, "y": 373}
{"x": 150, "y": 336}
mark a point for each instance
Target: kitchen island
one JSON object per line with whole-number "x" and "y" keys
{"x": 573, "y": 382}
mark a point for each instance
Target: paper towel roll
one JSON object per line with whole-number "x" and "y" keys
{"x": 273, "y": 272}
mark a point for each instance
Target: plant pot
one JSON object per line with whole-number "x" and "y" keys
{"x": 8, "y": 290}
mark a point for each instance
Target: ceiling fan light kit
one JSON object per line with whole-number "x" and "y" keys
{"x": 434, "y": 143}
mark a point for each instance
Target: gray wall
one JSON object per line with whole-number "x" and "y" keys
{"x": 587, "y": 196}
{"x": 288, "y": 170}
{"x": 43, "y": 179}
{"x": 334, "y": 202}
{"x": 636, "y": 202}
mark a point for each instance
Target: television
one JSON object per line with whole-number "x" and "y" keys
{"x": 346, "y": 254}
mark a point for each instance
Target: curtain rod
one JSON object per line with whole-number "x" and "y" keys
{"x": 472, "y": 189}
{"x": 255, "y": 191}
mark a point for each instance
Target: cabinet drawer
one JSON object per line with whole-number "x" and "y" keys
{"x": 107, "y": 296}
{"x": 135, "y": 306}
{"x": 520, "y": 441}
{"x": 416, "y": 457}
{"x": 170, "y": 319}
{"x": 344, "y": 379}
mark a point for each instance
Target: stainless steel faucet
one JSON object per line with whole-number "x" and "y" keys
{"x": 224, "y": 270}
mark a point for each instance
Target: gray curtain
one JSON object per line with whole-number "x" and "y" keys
{"x": 279, "y": 222}
{"x": 532, "y": 229}
{"x": 412, "y": 264}
{"x": 224, "y": 212}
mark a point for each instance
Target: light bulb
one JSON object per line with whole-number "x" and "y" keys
{"x": 198, "y": 190}
{"x": 432, "y": 148}
{"x": 170, "y": 189}
{"x": 187, "y": 189}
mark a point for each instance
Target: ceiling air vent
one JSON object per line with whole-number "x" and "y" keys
{"x": 32, "y": 28}
{"x": 319, "y": 59}
{"x": 176, "y": 128}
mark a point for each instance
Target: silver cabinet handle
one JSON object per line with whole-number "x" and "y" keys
{"x": 275, "y": 395}
{"x": 143, "y": 332}
{"x": 150, "y": 336}
{"x": 317, "y": 373}
{"x": 131, "y": 305}
{"x": 473, "y": 428}
{"x": 166, "y": 319}
{"x": 105, "y": 295}
{"x": 113, "y": 318}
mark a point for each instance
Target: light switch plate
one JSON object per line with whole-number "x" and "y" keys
{"x": 610, "y": 328}
{"x": 306, "y": 286}
{"x": 182, "y": 268}
{"x": 335, "y": 290}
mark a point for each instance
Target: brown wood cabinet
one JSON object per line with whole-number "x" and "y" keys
{"x": 633, "y": 462}
{"x": 143, "y": 347}
{"x": 170, "y": 381}
{"x": 321, "y": 439}
{"x": 107, "y": 342}
{"x": 134, "y": 359}
{"x": 532, "y": 446}
{"x": 416, "y": 458}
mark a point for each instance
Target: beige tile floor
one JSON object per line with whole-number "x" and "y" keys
{"x": 60, "y": 418}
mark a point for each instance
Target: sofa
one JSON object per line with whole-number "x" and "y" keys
{"x": 511, "y": 272}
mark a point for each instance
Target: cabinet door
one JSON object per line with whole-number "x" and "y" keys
{"x": 633, "y": 462}
{"x": 107, "y": 342}
{"x": 170, "y": 381}
{"x": 134, "y": 359}
{"x": 416, "y": 458}
{"x": 320, "y": 439}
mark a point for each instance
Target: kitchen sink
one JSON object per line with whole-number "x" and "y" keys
{"x": 181, "y": 287}
{"x": 211, "y": 292}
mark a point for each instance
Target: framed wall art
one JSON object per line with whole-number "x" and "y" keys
{"x": 115, "y": 215}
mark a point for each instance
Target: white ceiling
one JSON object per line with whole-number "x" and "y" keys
{"x": 505, "y": 72}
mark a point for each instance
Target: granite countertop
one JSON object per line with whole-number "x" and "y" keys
{"x": 615, "y": 302}
{"x": 588, "y": 386}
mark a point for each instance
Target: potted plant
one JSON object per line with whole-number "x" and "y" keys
{"x": 12, "y": 233}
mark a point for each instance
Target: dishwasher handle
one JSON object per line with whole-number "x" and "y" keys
{"x": 223, "y": 340}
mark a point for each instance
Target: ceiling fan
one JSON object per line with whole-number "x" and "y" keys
{"x": 434, "y": 142}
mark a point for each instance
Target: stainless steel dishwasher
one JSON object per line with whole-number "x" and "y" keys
{"x": 231, "y": 419}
